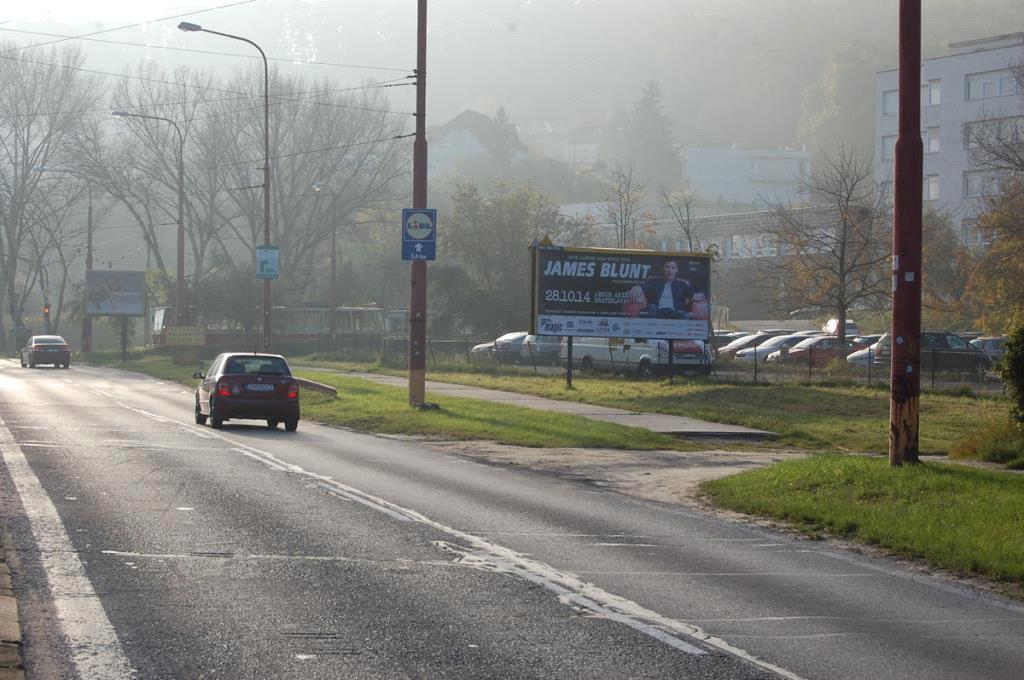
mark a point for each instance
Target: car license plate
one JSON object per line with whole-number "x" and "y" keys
{"x": 259, "y": 387}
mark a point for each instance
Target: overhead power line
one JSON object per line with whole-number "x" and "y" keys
{"x": 120, "y": 28}
{"x": 195, "y": 51}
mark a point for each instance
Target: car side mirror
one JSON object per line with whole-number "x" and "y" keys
{"x": 198, "y": 375}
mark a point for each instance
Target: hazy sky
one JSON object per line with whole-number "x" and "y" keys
{"x": 729, "y": 70}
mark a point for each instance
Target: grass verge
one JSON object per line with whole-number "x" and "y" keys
{"x": 820, "y": 417}
{"x": 368, "y": 407}
{"x": 951, "y": 516}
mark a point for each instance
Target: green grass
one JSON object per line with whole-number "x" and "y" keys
{"x": 819, "y": 417}
{"x": 953, "y": 517}
{"x": 369, "y": 407}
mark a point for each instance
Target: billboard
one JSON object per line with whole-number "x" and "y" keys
{"x": 115, "y": 293}
{"x": 605, "y": 292}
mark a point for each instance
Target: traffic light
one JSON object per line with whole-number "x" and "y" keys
{"x": 46, "y": 310}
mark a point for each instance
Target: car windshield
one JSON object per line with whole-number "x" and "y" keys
{"x": 781, "y": 341}
{"x": 252, "y": 365}
{"x": 807, "y": 342}
{"x": 740, "y": 342}
{"x": 508, "y": 337}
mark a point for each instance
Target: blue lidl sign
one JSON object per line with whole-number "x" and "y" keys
{"x": 419, "y": 233}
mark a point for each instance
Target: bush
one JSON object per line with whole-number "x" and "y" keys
{"x": 1011, "y": 370}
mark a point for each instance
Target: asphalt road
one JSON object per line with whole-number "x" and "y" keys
{"x": 146, "y": 546}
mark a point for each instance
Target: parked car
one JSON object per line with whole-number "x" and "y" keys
{"x": 942, "y": 351}
{"x": 723, "y": 338}
{"x": 751, "y": 340}
{"x": 990, "y": 345}
{"x": 865, "y": 341}
{"x": 817, "y": 350}
{"x": 862, "y": 357}
{"x": 248, "y": 386}
{"x": 772, "y": 344}
{"x": 46, "y": 349}
{"x": 540, "y": 349}
{"x": 644, "y": 357}
{"x": 506, "y": 348}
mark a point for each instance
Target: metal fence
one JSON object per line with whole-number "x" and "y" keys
{"x": 940, "y": 371}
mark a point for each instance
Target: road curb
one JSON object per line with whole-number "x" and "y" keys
{"x": 11, "y": 667}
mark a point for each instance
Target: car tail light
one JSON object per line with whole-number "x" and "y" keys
{"x": 293, "y": 390}
{"x": 223, "y": 389}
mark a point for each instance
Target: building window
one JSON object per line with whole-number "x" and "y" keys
{"x": 980, "y": 183}
{"x": 994, "y": 131}
{"x": 930, "y": 139}
{"x": 931, "y": 93}
{"x": 990, "y": 84}
{"x": 889, "y": 147}
{"x": 930, "y": 189}
{"x": 890, "y": 102}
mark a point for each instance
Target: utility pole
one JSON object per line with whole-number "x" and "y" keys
{"x": 905, "y": 373}
{"x": 418, "y": 277}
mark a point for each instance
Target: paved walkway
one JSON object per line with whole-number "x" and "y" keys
{"x": 656, "y": 422}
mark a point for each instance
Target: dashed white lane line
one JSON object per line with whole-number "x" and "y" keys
{"x": 95, "y": 648}
{"x": 569, "y": 588}
{"x": 481, "y": 553}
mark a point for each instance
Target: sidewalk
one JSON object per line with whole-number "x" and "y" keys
{"x": 655, "y": 422}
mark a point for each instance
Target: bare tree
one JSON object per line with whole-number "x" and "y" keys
{"x": 623, "y": 207}
{"x": 832, "y": 256}
{"x": 41, "y": 101}
{"x": 997, "y": 142}
{"x": 680, "y": 204}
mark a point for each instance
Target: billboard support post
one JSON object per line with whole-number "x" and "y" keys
{"x": 568, "y": 362}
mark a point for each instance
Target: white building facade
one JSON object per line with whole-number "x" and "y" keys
{"x": 974, "y": 83}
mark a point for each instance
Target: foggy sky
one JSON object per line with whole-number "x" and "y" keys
{"x": 740, "y": 71}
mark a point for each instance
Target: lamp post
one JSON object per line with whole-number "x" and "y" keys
{"x": 179, "y": 288}
{"x": 332, "y": 319}
{"x": 190, "y": 27}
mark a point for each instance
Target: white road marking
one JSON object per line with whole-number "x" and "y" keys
{"x": 569, "y": 588}
{"x": 95, "y": 649}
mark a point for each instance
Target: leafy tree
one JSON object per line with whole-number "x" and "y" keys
{"x": 946, "y": 266}
{"x": 996, "y": 284}
{"x": 643, "y": 138}
{"x": 485, "y": 287}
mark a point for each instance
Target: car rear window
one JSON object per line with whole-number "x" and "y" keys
{"x": 49, "y": 340}
{"x": 250, "y": 365}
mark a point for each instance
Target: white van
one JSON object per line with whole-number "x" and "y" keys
{"x": 644, "y": 357}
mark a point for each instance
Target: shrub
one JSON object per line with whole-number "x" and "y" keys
{"x": 1011, "y": 370}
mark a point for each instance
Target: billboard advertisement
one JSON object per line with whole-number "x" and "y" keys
{"x": 115, "y": 293}
{"x": 605, "y": 292}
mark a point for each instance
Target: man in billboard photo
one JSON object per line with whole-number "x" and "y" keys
{"x": 664, "y": 297}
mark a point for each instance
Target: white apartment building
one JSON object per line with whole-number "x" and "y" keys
{"x": 973, "y": 83}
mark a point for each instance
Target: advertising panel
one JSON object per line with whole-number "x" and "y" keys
{"x": 115, "y": 293}
{"x": 605, "y": 292}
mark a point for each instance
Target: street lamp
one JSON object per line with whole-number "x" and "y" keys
{"x": 179, "y": 288}
{"x": 332, "y": 321}
{"x": 190, "y": 27}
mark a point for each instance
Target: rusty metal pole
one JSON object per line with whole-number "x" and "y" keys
{"x": 418, "y": 268}
{"x": 905, "y": 371}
